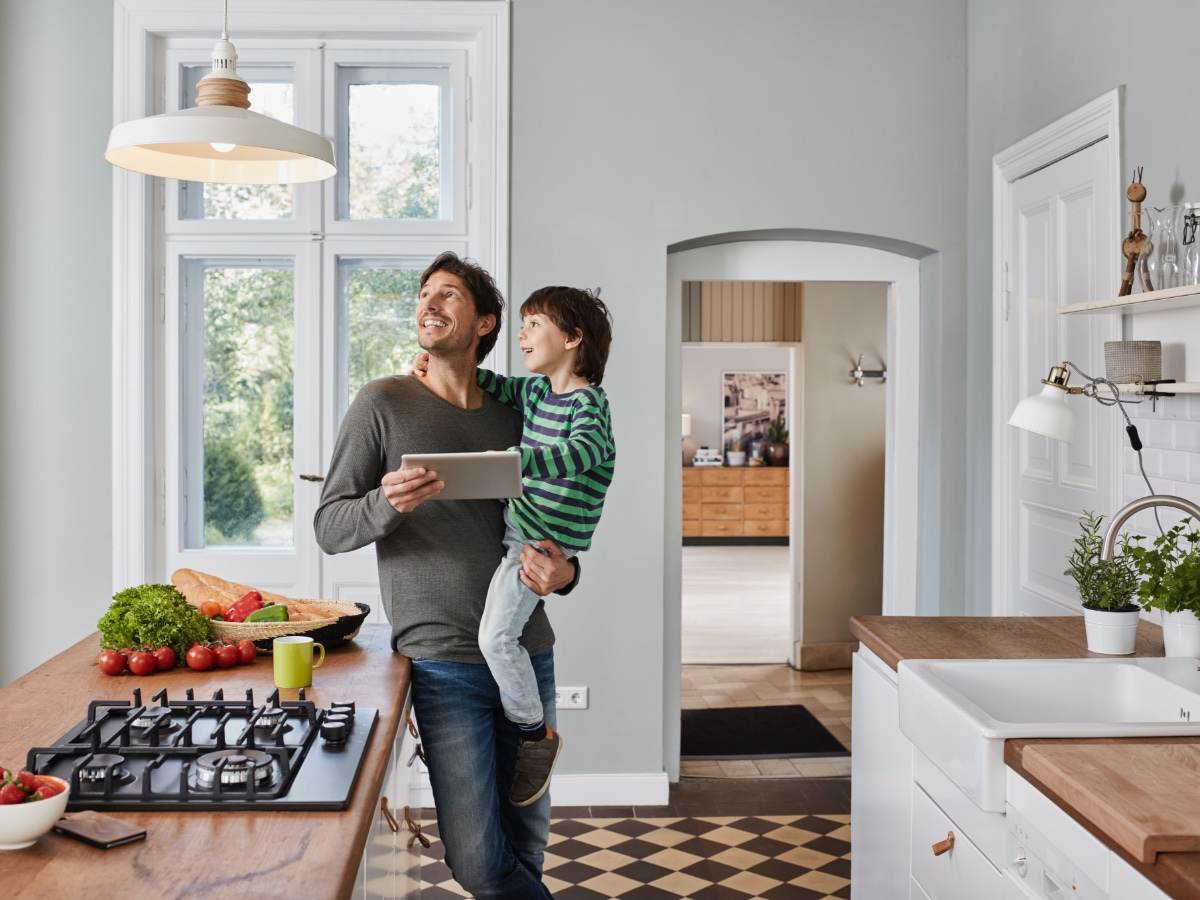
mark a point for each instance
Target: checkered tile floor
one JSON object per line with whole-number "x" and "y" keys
{"x": 706, "y": 858}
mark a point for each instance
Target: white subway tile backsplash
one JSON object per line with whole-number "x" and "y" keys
{"x": 1187, "y": 436}
{"x": 1173, "y": 464}
{"x": 1158, "y": 434}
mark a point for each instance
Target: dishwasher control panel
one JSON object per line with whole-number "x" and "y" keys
{"x": 1042, "y": 870}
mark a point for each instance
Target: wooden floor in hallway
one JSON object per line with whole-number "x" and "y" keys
{"x": 825, "y": 694}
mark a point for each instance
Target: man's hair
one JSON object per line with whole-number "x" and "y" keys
{"x": 577, "y": 311}
{"x": 481, "y": 287}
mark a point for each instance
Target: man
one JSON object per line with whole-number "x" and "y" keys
{"x": 435, "y": 563}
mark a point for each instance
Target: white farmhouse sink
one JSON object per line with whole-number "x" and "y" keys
{"x": 959, "y": 712}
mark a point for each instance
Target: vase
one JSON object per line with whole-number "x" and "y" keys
{"x": 777, "y": 454}
{"x": 735, "y": 458}
{"x": 1111, "y": 633}
{"x": 1181, "y": 634}
{"x": 1164, "y": 262}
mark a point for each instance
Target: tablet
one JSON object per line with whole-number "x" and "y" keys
{"x": 491, "y": 475}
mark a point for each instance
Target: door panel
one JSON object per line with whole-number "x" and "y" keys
{"x": 1061, "y": 251}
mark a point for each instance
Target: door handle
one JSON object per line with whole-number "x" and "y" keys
{"x": 312, "y": 477}
{"x": 944, "y": 846}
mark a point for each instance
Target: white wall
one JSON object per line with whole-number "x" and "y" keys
{"x": 702, "y": 379}
{"x": 55, "y": 247}
{"x": 631, "y": 132}
{"x": 1031, "y": 62}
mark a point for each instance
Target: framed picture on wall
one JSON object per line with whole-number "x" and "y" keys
{"x": 750, "y": 402}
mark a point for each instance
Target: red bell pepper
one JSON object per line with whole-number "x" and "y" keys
{"x": 247, "y": 604}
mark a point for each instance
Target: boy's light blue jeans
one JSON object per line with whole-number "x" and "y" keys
{"x": 509, "y": 606}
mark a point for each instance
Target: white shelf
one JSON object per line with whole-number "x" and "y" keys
{"x": 1150, "y": 301}
{"x": 1150, "y": 390}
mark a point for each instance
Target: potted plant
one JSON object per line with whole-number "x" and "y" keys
{"x": 1171, "y": 584}
{"x": 1107, "y": 588}
{"x": 734, "y": 455}
{"x": 777, "y": 448}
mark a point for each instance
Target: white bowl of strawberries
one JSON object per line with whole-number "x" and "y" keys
{"x": 29, "y": 806}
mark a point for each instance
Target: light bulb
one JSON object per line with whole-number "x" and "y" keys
{"x": 221, "y": 147}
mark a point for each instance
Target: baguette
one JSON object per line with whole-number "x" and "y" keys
{"x": 197, "y": 587}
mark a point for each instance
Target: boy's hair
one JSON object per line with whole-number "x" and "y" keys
{"x": 488, "y": 299}
{"x": 576, "y": 310}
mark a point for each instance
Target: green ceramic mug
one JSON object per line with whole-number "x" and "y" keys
{"x": 293, "y": 657}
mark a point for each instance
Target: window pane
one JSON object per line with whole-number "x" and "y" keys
{"x": 272, "y": 94}
{"x": 238, "y": 401}
{"x": 392, "y": 128}
{"x": 377, "y": 302}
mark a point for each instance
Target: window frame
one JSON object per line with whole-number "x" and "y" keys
{"x": 147, "y": 242}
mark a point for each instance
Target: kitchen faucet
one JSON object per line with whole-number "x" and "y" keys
{"x": 1132, "y": 509}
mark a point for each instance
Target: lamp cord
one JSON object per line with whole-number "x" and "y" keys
{"x": 1091, "y": 389}
{"x": 225, "y": 23}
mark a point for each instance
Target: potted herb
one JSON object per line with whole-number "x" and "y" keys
{"x": 777, "y": 448}
{"x": 1171, "y": 584}
{"x": 1107, "y": 588}
{"x": 734, "y": 455}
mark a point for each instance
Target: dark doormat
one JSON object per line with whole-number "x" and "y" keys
{"x": 755, "y": 732}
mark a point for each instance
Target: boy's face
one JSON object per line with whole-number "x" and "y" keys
{"x": 544, "y": 346}
{"x": 447, "y": 322}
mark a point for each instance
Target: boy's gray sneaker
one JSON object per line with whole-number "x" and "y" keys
{"x": 535, "y": 762}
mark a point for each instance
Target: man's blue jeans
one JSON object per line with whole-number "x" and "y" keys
{"x": 493, "y": 848}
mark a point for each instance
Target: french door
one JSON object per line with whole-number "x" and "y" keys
{"x": 280, "y": 302}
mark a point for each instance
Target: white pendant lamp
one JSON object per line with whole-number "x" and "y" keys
{"x": 220, "y": 139}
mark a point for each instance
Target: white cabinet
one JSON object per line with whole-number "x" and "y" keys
{"x": 881, "y": 771}
{"x": 390, "y": 867}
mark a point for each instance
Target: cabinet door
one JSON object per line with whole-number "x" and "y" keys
{"x": 881, "y": 784}
{"x": 961, "y": 871}
{"x": 377, "y": 871}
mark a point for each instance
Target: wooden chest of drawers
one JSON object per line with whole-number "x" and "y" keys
{"x": 743, "y": 502}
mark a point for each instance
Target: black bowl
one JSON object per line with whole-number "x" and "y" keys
{"x": 332, "y": 635}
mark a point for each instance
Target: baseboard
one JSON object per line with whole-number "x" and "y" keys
{"x": 633, "y": 789}
{"x": 735, "y": 541}
{"x": 823, "y": 656}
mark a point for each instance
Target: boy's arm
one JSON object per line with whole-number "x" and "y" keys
{"x": 354, "y": 510}
{"x": 506, "y": 389}
{"x": 587, "y": 445}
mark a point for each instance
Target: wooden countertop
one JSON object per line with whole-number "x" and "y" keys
{"x": 893, "y": 638}
{"x": 211, "y": 854}
{"x": 896, "y": 638}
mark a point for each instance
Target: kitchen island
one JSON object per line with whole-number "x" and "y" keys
{"x": 908, "y": 807}
{"x": 221, "y": 854}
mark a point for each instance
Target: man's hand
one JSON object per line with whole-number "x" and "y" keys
{"x": 406, "y": 489}
{"x": 420, "y": 366}
{"x": 545, "y": 573}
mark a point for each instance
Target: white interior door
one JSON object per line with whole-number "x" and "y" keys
{"x": 1061, "y": 249}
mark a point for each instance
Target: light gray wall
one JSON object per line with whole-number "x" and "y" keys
{"x": 701, "y": 377}
{"x": 844, "y": 444}
{"x": 637, "y": 125}
{"x": 1030, "y": 63}
{"x": 55, "y": 290}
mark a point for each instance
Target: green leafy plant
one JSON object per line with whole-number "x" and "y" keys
{"x": 233, "y": 504}
{"x": 1104, "y": 584}
{"x": 777, "y": 433}
{"x": 1170, "y": 570}
{"x": 151, "y": 615}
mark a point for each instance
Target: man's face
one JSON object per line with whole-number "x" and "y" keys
{"x": 447, "y": 323}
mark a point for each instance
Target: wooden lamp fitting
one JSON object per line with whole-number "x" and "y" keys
{"x": 223, "y": 86}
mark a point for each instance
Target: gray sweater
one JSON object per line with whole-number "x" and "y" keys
{"x": 435, "y": 563}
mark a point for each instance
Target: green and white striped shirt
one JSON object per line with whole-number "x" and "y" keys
{"x": 567, "y": 456}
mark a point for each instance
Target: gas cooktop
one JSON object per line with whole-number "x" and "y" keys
{"x": 213, "y": 754}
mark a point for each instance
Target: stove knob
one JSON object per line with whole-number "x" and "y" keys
{"x": 343, "y": 706}
{"x": 348, "y": 721}
{"x": 334, "y": 732}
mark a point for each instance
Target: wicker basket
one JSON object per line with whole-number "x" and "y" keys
{"x": 1132, "y": 362}
{"x": 339, "y": 612}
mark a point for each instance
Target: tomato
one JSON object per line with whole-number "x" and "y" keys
{"x": 111, "y": 662}
{"x": 165, "y": 658}
{"x": 227, "y": 656}
{"x": 246, "y": 651}
{"x": 210, "y": 608}
{"x": 200, "y": 658}
{"x": 142, "y": 662}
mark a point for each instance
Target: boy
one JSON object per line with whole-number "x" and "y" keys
{"x": 567, "y": 455}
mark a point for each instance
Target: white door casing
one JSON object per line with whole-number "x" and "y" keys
{"x": 1057, "y": 241}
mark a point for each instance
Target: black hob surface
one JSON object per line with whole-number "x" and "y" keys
{"x": 210, "y": 754}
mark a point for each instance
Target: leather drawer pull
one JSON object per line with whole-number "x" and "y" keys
{"x": 417, "y": 751}
{"x": 944, "y": 846}
{"x": 412, "y": 728}
{"x": 414, "y": 828}
{"x": 385, "y": 808}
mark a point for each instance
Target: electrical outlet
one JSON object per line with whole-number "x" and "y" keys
{"x": 571, "y": 698}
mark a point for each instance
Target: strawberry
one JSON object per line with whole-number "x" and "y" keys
{"x": 45, "y": 792}
{"x": 5, "y": 775}
{"x": 10, "y": 793}
{"x": 28, "y": 781}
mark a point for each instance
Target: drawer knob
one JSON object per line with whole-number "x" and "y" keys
{"x": 944, "y": 846}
